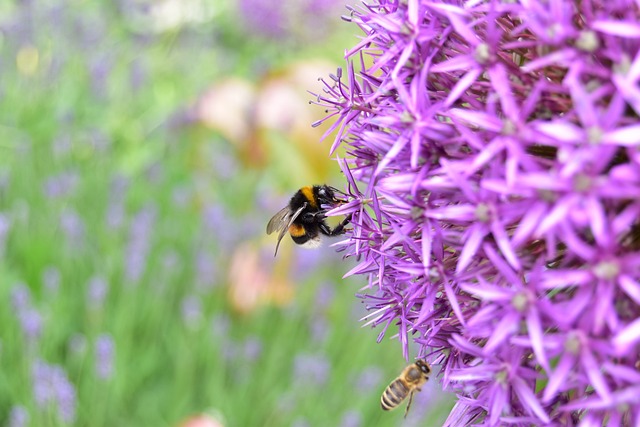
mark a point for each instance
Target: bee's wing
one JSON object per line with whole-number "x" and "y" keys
{"x": 284, "y": 221}
{"x": 279, "y": 220}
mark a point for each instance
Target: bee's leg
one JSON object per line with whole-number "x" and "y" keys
{"x": 406, "y": 411}
{"x": 339, "y": 228}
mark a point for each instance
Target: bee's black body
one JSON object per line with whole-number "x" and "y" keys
{"x": 304, "y": 216}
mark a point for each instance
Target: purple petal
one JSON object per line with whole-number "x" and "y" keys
{"x": 628, "y": 336}
{"x": 627, "y": 136}
{"x": 592, "y": 369}
{"x": 558, "y": 377}
{"x": 471, "y": 246}
{"x": 462, "y": 85}
{"x": 537, "y": 338}
{"x": 617, "y": 28}
{"x": 529, "y": 400}
{"x": 507, "y": 326}
{"x": 630, "y": 287}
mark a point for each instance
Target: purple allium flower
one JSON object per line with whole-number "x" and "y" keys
{"x": 18, "y": 417}
{"x": 494, "y": 166}
{"x": 104, "y": 354}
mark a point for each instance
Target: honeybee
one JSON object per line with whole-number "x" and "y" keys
{"x": 410, "y": 381}
{"x": 304, "y": 216}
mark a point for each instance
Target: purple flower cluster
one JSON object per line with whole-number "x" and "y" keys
{"x": 28, "y": 315}
{"x": 493, "y": 158}
{"x": 51, "y": 386}
{"x": 104, "y": 353}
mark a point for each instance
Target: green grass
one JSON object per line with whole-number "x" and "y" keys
{"x": 166, "y": 368}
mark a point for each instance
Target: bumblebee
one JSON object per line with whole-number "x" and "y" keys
{"x": 410, "y": 381}
{"x": 304, "y": 216}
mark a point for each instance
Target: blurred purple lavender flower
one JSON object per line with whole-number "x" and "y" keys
{"x": 206, "y": 270}
{"x": 369, "y": 378}
{"x": 77, "y": 344}
{"x": 252, "y": 348}
{"x": 29, "y": 317}
{"x": 320, "y": 328}
{"x": 494, "y": 164}
{"x": 191, "y": 308}
{"x": 61, "y": 185}
{"x": 220, "y": 324}
{"x": 73, "y": 227}
{"x": 51, "y": 386}
{"x": 104, "y": 356}
{"x": 99, "y": 68}
{"x": 18, "y": 417}
{"x": 137, "y": 74}
{"x": 97, "y": 292}
{"x": 264, "y": 17}
{"x": 51, "y": 280}
{"x": 20, "y": 297}
{"x": 61, "y": 147}
{"x": 115, "y": 209}
{"x": 311, "y": 369}
{"x": 351, "y": 418}
{"x": 217, "y": 222}
{"x": 31, "y": 323}
{"x": 5, "y": 226}
{"x": 139, "y": 243}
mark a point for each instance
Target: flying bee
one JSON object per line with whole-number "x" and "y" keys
{"x": 410, "y": 381}
{"x": 304, "y": 216}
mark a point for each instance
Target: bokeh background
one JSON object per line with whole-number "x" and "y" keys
{"x": 143, "y": 147}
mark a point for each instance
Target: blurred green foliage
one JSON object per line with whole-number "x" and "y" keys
{"x": 136, "y": 286}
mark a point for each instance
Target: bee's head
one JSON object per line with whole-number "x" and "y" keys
{"x": 327, "y": 195}
{"x": 424, "y": 366}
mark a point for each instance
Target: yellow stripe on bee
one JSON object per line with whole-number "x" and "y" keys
{"x": 307, "y": 192}
{"x": 297, "y": 230}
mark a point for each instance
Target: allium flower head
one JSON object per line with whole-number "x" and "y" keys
{"x": 493, "y": 156}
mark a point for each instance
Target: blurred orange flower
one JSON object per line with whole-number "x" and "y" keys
{"x": 251, "y": 283}
{"x": 202, "y": 420}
